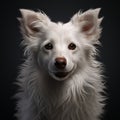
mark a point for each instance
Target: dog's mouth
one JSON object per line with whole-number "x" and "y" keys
{"x": 61, "y": 74}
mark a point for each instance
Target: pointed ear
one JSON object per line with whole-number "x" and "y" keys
{"x": 32, "y": 22}
{"x": 88, "y": 22}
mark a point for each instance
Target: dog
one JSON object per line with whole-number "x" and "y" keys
{"x": 61, "y": 78}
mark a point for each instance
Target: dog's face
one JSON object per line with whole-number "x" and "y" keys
{"x": 61, "y": 49}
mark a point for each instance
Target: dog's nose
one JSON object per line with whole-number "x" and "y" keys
{"x": 60, "y": 62}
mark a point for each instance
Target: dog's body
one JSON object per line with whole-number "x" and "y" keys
{"x": 61, "y": 79}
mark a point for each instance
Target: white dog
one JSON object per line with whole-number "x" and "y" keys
{"x": 61, "y": 78}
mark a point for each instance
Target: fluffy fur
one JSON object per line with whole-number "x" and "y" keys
{"x": 78, "y": 93}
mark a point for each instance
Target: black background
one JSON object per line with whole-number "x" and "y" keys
{"x": 58, "y": 10}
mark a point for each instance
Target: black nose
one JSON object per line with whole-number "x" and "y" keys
{"x": 60, "y": 62}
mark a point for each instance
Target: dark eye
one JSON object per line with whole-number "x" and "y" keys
{"x": 71, "y": 46}
{"x": 48, "y": 46}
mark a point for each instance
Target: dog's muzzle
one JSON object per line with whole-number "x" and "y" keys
{"x": 60, "y": 64}
{"x": 60, "y": 73}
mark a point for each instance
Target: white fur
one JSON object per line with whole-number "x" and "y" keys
{"x": 44, "y": 96}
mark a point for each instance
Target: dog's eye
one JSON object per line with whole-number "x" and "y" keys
{"x": 71, "y": 46}
{"x": 48, "y": 46}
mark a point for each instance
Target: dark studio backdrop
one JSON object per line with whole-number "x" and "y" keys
{"x": 58, "y": 10}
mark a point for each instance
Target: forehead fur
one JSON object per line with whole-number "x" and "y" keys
{"x": 61, "y": 28}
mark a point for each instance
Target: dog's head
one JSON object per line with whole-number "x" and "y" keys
{"x": 61, "y": 49}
